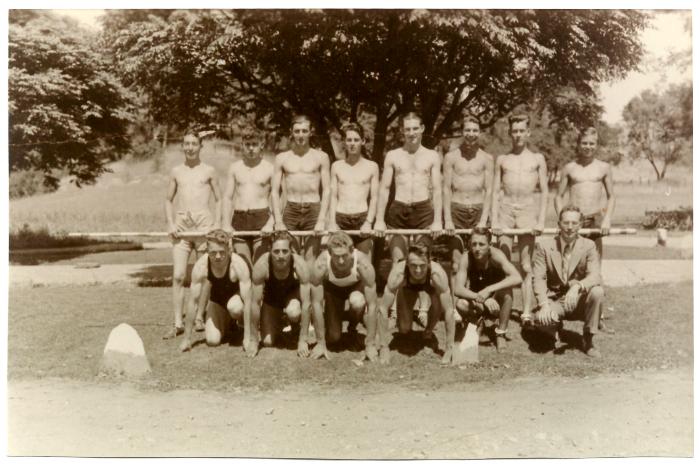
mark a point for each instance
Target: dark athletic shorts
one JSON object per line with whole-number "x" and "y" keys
{"x": 252, "y": 219}
{"x": 351, "y": 222}
{"x": 301, "y": 216}
{"x": 594, "y": 221}
{"x": 466, "y": 216}
{"x": 418, "y": 215}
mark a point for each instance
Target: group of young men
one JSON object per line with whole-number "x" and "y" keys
{"x": 274, "y": 280}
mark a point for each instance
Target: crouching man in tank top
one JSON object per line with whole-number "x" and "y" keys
{"x": 484, "y": 284}
{"x": 345, "y": 274}
{"x": 280, "y": 293}
{"x": 222, "y": 276}
{"x": 417, "y": 273}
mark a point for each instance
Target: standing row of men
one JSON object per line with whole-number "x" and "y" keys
{"x": 470, "y": 190}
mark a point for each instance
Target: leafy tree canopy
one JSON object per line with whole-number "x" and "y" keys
{"x": 66, "y": 110}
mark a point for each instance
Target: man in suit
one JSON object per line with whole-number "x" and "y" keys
{"x": 567, "y": 279}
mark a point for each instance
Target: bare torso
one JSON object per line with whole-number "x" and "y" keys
{"x": 519, "y": 176}
{"x": 302, "y": 176}
{"x": 354, "y": 182}
{"x": 586, "y": 188}
{"x": 412, "y": 173}
{"x": 469, "y": 176}
{"x": 193, "y": 187}
{"x": 253, "y": 185}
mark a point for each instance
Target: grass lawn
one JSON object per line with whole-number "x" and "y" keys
{"x": 61, "y": 332}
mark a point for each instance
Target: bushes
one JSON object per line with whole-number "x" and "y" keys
{"x": 676, "y": 219}
{"x": 27, "y": 183}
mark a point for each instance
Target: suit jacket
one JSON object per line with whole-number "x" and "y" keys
{"x": 549, "y": 280}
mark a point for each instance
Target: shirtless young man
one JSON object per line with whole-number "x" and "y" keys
{"x": 415, "y": 170}
{"x": 586, "y": 179}
{"x": 303, "y": 170}
{"x": 247, "y": 197}
{"x": 518, "y": 174}
{"x": 223, "y": 277}
{"x": 194, "y": 182}
{"x": 280, "y": 289}
{"x": 344, "y": 274}
{"x": 484, "y": 284}
{"x": 468, "y": 173}
{"x": 406, "y": 280}
{"x": 354, "y": 181}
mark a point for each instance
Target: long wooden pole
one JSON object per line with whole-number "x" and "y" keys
{"x": 308, "y": 233}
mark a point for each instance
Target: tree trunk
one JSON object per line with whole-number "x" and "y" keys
{"x": 380, "y": 138}
{"x": 659, "y": 176}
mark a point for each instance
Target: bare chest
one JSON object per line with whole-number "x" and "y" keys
{"x": 258, "y": 175}
{"x": 469, "y": 168}
{"x": 411, "y": 165}
{"x": 305, "y": 165}
{"x": 349, "y": 175}
{"x": 591, "y": 173}
{"x": 519, "y": 165}
{"x": 192, "y": 178}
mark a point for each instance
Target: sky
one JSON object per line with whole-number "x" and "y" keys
{"x": 666, "y": 34}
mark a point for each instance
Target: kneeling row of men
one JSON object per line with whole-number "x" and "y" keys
{"x": 282, "y": 290}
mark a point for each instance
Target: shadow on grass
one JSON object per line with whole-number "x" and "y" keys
{"x": 159, "y": 275}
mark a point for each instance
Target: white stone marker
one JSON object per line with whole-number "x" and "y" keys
{"x": 124, "y": 353}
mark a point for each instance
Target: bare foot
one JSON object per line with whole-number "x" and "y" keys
{"x": 173, "y": 332}
{"x": 384, "y": 354}
{"x": 371, "y": 352}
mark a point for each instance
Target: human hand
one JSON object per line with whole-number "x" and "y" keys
{"x": 492, "y": 305}
{"x": 319, "y": 351}
{"x": 303, "y": 348}
{"x": 186, "y": 344}
{"x": 571, "y": 299}
{"x": 379, "y": 228}
{"x": 449, "y": 227}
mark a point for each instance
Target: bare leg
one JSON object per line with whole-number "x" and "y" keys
{"x": 218, "y": 321}
{"x": 526, "y": 246}
{"x": 180, "y": 257}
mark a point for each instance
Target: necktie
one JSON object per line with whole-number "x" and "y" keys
{"x": 565, "y": 261}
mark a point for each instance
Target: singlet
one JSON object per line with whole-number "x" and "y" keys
{"x": 424, "y": 286}
{"x": 346, "y": 281}
{"x": 480, "y": 278}
{"x": 222, "y": 289}
{"x": 276, "y": 291}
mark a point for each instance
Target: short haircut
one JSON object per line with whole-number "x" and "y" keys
{"x": 192, "y": 131}
{"x": 481, "y": 231}
{"x": 519, "y": 118}
{"x": 251, "y": 133}
{"x": 419, "y": 248}
{"x": 571, "y": 208}
{"x": 301, "y": 118}
{"x": 339, "y": 239}
{"x": 411, "y": 116}
{"x": 470, "y": 118}
{"x": 587, "y": 131}
{"x": 353, "y": 126}
{"x": 218, "y": 236}
{"x": 282, "y": 235}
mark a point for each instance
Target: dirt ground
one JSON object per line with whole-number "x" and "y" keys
{"x": 533, "y": 417}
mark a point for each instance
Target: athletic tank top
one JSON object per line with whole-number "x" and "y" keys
{"x": 276, "y": 291}
{"x": 222, "y": 289}
{"x": 480, "y": 278}
{"x": 424, "y": 286}
{"x": 351, "y": 279}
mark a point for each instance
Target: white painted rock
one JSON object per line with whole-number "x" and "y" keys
{"x": 124, "y": 353}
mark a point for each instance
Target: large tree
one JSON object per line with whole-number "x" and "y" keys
{"x": 660, "y": 126}
{"x": 66, "y": 110}
{"x": 337, "y": 65}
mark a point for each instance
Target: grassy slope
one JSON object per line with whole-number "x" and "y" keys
{"x": 131, "y": 198}
{"x": 654, "y": 326}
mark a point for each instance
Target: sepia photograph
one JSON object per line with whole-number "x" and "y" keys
{"x": 377, "y": 233}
